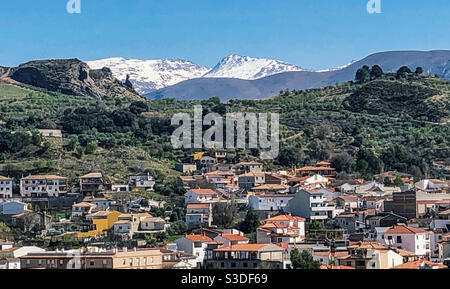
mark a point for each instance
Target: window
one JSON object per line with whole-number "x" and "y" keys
{"x": 245, "y": 265}
{"x": 91, "y": 263}
{"x": 399, "y": 239}
{"x": 222, "y": 265}
{"x": 233, "y": 264}
{"x": 255, "y": 265}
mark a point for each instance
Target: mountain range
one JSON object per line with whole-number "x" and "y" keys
{"x": 247, "y": 77}
{"x": 433, "y": 62}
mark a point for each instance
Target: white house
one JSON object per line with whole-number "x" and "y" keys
{"x": 311, "y": 205}
{"x": 82, "y": 209}
{"x": 5, "y": 188}
{"x": 142, "y": 181}
{"x": 11, "y": 255}
{"x": 43, "y": 186}
{"x": 120, "y": 188}
{"x": 282, "y": 229}
{"x": 199, "y": 215}
{"x": 201, "y": 196}
{"x": 269, "y": 202}
{"x": 153, "y": 224}
{"x": 409, "y": 238}
{"x": 195, "y": 245}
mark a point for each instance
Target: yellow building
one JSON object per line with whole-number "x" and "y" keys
{"x": 198, "y": 155}
{"x": 102, "y": 221}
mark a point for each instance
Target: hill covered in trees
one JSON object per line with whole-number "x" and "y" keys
{"x": 377, "y": 123}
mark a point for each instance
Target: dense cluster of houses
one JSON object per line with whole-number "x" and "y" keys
{"x": 367, "y": 225}
{"x": 349, "y": 224}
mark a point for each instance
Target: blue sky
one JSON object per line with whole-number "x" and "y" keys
{"x": 310, "y": 33}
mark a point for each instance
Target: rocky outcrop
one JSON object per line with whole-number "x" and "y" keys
{"x": 71, "y": 77}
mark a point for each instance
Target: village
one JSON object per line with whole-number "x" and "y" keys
{"x": 391, "y": 222}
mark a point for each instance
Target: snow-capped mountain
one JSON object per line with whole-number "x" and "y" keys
{"x": 249, "y": 68}
{"x": 150, "y": 75}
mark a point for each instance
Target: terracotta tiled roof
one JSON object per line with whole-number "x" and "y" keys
{"x": 253, "y": 174}
{"x": 285, "y": 218}
{"x": 243, "y": 247}
{"x": 349, "y": 198}
{"x": 2, "y": 178}
{"x": 271, "y": 187}
{"x": 204, "y": 192}
{"x": 198, "y": 238}
{"x": 248, "y": 164}
{"x": 365, "y": 245}
{"x": 92, "y": 175}
{"x": 83, "y": 204}
{"x": 305, "y": 169}
{"x": 323, "y": 267}
{"x": 233, "y": 237}
{"x": 419, "y": 263}
{"x": 198, "y": 206}
{"x": 402, "y": 229}
{"x": 44, "y": 177}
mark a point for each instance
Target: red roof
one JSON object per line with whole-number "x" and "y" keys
{"x": 323, "y": 267}
{"x": 233, "y": 237}
{"x": 419, "y": 263}
{"x": 204, "y": 192}
{"x": 198, "y": 206}
{"x": 402, "y": 229}
{"x": 285, "y": 218}
{"x": 242, "y": 247}
{"x": 198, "y": 238}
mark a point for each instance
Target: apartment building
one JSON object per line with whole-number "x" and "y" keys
{"x": 199, "y": 215}
{"x": 43, "y": 186}
{"x": 249, "y": 256}
{"x": 91, "y": 184}
{"x": 6, "y": 189}
{"x": 113, "y": 259}
{"x": 311, "y": 205}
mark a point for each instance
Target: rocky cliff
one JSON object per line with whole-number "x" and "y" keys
{"x": 71, "y": 77}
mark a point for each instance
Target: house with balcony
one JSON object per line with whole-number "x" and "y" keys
{"x": 6, "y": 188}
{"x": 269, "y": 202}
{"x": 311, "y": 205}
{"x": 141, "y": 182}
{"x": 321, "y": 168}
{"x": 91, "y": 184}
{"x": 195, "y": 245}
{"x": 82, "y": 209}
{"x": 199, "y": 215}
{"x": 44, "y": 186}
{"x": 99, "y": 223}
{"x": 282, "y": 229}
{"x": 249, "y": 256}
{"x": 409, "y": 238}
{"x": 370, "y": 255}
{"x": 201, "y": 196}
{"x": 250, "y": 180}
{"x": 248, "y": 167}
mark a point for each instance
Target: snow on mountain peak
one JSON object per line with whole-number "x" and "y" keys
{"x": 150, "y": 75}
{"x": 246, "y": 67}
